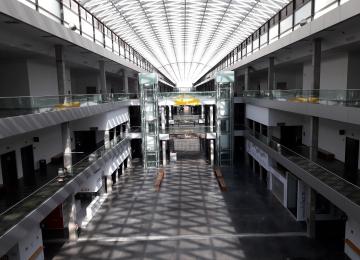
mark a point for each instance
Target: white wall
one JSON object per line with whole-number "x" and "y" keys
{"x": 30, "y": 244}
{"x": 42, "y": 78}
{"x": 50, "y": 144}
{"x": 352, "y": 233}
{"x": 354, "y": 75}
{"x": 13, "y": 78}
{"x": 80, "y": 79}
{"x": 292, "y": 76}
{"x": 330, "y": 140}
{"x": 334, "y": 72}
{"x": 258, "y": 114}
{"x": 104, "y": 121}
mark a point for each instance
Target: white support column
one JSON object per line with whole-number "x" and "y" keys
{"x": 202, "y": 112}
{"x": 109, "y": 184}
{"x": 164, "y": 153}
{"x": 114, "y": 139}
{"x": 103, "y": 88}
{"x": 211, "y": 118}
{"x": 311, "y": 211}
{"x": 247, "y": 78}
{"x": 63, "y": 88}
{"x": 271, "y": 73}
{"x": 66, "y": 142}
{"x": 73, "y": 226}
{"x": 212, "y": 152}
{"x": 125, "y": 81}
{"x": 162, "y": 109}
{"x": 107, "y": 139}
{"x": 170, "y": 113}
{"x": 269, "y": 134}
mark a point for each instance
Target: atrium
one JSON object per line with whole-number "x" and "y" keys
{"x": 180, "y": 129}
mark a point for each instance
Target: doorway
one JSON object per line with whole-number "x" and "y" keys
{"x": 291, "y": 136}
{"x": 351, "y": 159}
{"x": 9, "y": 169}
{"x": 85, "y": 141}
{"x": 27, "y": 160}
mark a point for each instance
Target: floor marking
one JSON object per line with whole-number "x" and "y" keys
{"x": 191, "y": 237}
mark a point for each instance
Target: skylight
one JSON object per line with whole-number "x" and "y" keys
{"x": 184, "y": 38}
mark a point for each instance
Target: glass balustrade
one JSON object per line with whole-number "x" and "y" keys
{"x": 332, "y": 180}
{"x": 187, "y": 129}
{"x": 348, "y": 97}
{"x": 15, "y": 106}
{"x": 186, "y": 98}
{"x": 14, "y": 214}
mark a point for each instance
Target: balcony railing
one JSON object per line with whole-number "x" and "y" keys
{"x": 17, "y": 212}
{"x": 293, "y": 16}
{"x": 348, "y": 97}
{"x": 15, "y": 106}
{"x": 332, "y": 180}
{"x": 72, "y": 15}
{"x": 187, "y": 129}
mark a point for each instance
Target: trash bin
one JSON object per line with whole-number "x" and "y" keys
{"x": 42, "y": 166}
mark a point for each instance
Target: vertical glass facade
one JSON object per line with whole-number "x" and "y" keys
{"x": 224, "y": 117}
{"x": 149, "y": 118}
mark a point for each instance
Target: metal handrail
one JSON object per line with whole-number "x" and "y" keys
{"x": 55, "y": 178}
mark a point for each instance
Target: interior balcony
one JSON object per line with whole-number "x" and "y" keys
{"x": 34, "y": 207}
{"x": 24, "y": 114}
{"x": 340, "y": 105}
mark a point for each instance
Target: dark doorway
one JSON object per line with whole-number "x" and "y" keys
{"x": 27, "y": 160}
{"x": 351, "y": 159}
{"x": 291, "y": 136}
{"x": 292, "y": 193}
{"x": 91, "y": 90}
{"x": 136, "y": 148}
{"x": 85, "y": 141}
{"x": 9, "y": 170}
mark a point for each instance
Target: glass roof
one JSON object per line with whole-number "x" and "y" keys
{"x": 184, "y": 38}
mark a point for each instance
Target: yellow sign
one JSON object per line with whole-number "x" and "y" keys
{"x": 187, "y": 100}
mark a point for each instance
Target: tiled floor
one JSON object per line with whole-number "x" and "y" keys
{"x": 190, "y": 218}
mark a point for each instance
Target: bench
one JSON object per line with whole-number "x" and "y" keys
{"x": 325, "y": 155}
{"x": 220, "y": 179}
{"x": 159, "y": 178}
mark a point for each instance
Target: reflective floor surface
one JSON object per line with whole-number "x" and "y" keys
{"x": 190, "y": 218}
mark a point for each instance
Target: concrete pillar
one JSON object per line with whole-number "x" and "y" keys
{"x": 129, "y": 161}
{"x": 109, "y": 184}
{"x": 170, "y": 113}
{"x": 107, "y": 139}
{"x": 212, "y": 152}
{"x": 163, "y": 121}
{"x": 63, "y": 88}
{"x": 70, "y": 204}
{"x": 269, "y": 134}
{"x": 127, "y": 127}
{"x": 271, "y": 73}
{"x": 103, "y": 89}
{"x": 115, "y": 137}
{"x": 316, "y": 64}
{"x": 202, "y": 112}
{"x": 66, "y": 142}
{"x": 164, "y": 153}
{"x": 311, "y": 211}
{"x": 125, "y": 81}
{"x": 211, "y": 118}
{"x": 247, "y": 78}
{"x": 314, "y": 137}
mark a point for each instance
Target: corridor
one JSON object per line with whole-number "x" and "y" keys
{"x": 190, "y": 218}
